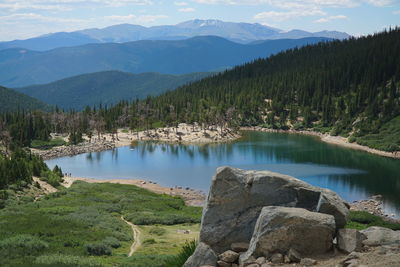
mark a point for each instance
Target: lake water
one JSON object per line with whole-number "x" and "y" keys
{"x": 354, "y": 175}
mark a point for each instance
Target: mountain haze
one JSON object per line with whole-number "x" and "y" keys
{"x": 106, "y": 88}
{"x": 20, "y": 67}
{"x": 238, "y": 32}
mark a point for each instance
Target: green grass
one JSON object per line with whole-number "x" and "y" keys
{"x": 39, "y": 144}
{"x": 67, "y": 227}
{"x": 387, "y": 138}
{"x": 361, "y": 220}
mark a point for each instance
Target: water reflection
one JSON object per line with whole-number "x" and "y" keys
{"x": 353, "y": 174}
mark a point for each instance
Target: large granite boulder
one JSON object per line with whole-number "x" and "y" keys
{"x": 279, "y": 229}
{"x": 237, "y": 196}
{"x": 377, "y": 236}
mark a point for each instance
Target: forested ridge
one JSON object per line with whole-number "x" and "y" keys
{"x": 349, "y": 87}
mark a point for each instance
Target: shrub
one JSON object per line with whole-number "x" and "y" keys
{"x": 352, "y": 139}
{"x": 60, "y": 260}
{"x": 362, "y": 219}
{"x": 22, "y": 244}
{"x": 98, "y": 249}
{"x": 149, "y": 241}
{"x": 112, "y": 242}
{"x": 156, "y": 230}
{"x": 186, "y": 251}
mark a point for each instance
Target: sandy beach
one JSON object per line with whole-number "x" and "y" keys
{"x": 191, "y": 196}
{"x": 335, "y": 140}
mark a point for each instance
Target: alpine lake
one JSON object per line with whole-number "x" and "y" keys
{"x": 353, "y": 174}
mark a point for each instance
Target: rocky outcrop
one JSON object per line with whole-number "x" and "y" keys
{"x": 349, "y": 240}
{"x": 377, "y": 236}
{"x": 204, "y": 256}
{"x": 236, "y": 198}
{"x": 279, "y": 229}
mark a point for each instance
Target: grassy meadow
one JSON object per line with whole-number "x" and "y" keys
{"x": 82, "y": 226}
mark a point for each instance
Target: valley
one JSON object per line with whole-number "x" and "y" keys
{"x": 203, "y": 143}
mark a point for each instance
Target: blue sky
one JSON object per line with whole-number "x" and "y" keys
{"x": 20, "y": 19}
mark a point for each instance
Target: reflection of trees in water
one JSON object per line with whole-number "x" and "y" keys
{"x": 382, "y": 174}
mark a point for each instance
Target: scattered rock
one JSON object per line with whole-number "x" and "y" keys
{"x": 350, "y": 240}
{"x": 260, "y": 260}
{"x": 229, "y": 256}
{"x": 308, "y": 262}
{"x": 294, "y": 255}
{"x": 277, "y": 258}
{"x": 266, "y": 265}
{"x": 240, "y": 247}
{"x": 247, "y": 261}
{"x": 282, "y": 228}
{"x": 224, "y": 264}
{"x": 377, "y": 236}
{"x": 204, "y": 255}
{"x": 351, "y": 263}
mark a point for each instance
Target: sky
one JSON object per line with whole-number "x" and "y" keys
{"x": 21, "y": 19}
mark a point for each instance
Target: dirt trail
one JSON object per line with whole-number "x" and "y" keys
{"x": 136, "y": 236}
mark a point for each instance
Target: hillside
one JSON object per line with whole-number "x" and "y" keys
{"x": 11, "y": 100}
{"x": 200, "y": 54}
{"x": 106, "y": 88}
{"x": 349, "y": 88}
{"x": 238, "y": 32}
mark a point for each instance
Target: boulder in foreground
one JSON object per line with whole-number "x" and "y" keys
{"x": 279, "y": 229}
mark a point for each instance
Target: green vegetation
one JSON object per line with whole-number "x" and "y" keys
{"x": 11, "y": 101}
{"x": 385, "y": 138}
{"x": 186, "y": 251}
{"x": 81, "y": 226}
{"x": 361, "y": 220}
{"x": 106, "y": 88}
{"x": 39, "y": 144}
{"x": 328, "y": 87}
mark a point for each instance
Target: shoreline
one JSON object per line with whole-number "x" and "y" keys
{"x": 183, "y": 134}
{"x": 192, "y": 197}
{"x": 334, "y": 140}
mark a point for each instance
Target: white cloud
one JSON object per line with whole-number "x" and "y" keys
{"x": 276, "y": 16}
{"x": 380, "y": 2}
{"x": 397, "y": 12}
{"x": 327, "y": 19}
{"x": 186, "y": 9}
{"x": 131, "y": 18}
{"x": 181, "y": 3}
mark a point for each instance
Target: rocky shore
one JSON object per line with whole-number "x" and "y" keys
{"x": 183, "y": 134}
{"x": 336, "y": 140}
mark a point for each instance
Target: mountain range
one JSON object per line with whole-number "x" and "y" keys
{"x": 11, "y": 100}
{"x": 237, "y": 32}
{"x": 21, "y": 67}
{"x": 106, "y": 88}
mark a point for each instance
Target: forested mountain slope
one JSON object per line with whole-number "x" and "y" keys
{"x": 347, "y": 87}
{"x": 11, "y": 100}
{"x": 106, "y": 88}
{"x": 20, "y": 67}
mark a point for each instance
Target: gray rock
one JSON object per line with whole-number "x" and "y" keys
{"x": 294, "y": 255}
{"x": 260, "y": 260}
{"x": 351, "y": 263}
{"x": 203, "y": 255}
{"x": 279, "y": 229}
{"x": 253, "y": 265}
{"x": 240, "y": 247}
{"x": 245, "y": 262}
{"x": 236, "y": 198}
{"x": 308, "y": 262}
{"x": 229, "y": 256}
{"x": 224, "y": 264}
{"x": 377, "y": 236}
{"x": 350, "y": 240}
{"x": 277, "y": 258}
